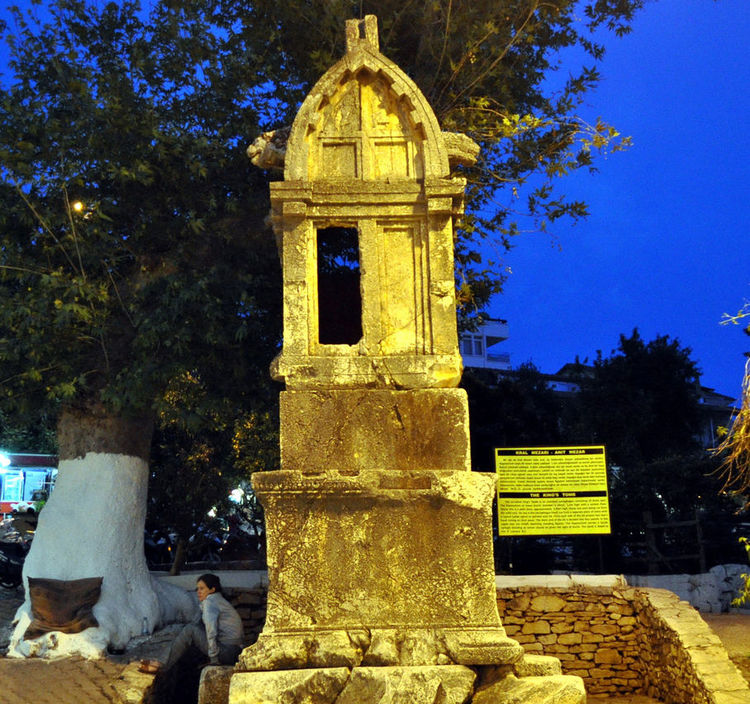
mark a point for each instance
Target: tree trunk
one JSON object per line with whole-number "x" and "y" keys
{"x": 179, "y": 557}
{"x": 92, "y": 526}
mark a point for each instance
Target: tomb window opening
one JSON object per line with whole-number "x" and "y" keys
{"x": 339, "y": 295}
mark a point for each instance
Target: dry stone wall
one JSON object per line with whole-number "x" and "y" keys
{"x": 622, "y": 640}
{"x": 251, "y": 606}
{"x": 593, "y": 630}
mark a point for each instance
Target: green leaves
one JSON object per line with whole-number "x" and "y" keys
{"x": 144, "y": 119}
{"x": 143, "y": 122}
{"x": 642, "y": 401}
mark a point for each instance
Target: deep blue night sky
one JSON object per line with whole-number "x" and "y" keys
{"x": 666, "y": 246}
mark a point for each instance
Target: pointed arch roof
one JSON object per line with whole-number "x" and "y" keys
{"x": 363, "y": 56}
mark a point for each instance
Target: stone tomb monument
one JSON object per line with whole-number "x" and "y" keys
{"x": 381, "y": 577}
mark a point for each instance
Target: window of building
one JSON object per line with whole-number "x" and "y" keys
{"x": 472, "y": 345}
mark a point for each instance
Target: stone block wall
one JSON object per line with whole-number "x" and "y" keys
{"x": 592, "y": 630}
{"x": 684, "y": 660}
{"x": 251, "y": 606}
{"x": 622, "y": 640}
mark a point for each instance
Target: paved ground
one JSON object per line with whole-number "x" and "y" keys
{"x": 117, "y": 681}
{"x": 734, "y": 631}
{"x": 114, "y": 680}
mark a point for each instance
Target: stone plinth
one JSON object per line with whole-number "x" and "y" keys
{"x": 417, "y": 685}
{"x": 354, "y": 430}
{"x": 386, "y": 568}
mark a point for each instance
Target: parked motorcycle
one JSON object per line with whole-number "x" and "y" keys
{"x": 158, "y": 548}
{"x": 12, "y": 556}
{"x": 15, "y": 543}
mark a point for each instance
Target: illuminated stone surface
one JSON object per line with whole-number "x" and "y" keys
{"x": 374, "y": 429}
{"x": 380, "y": 561}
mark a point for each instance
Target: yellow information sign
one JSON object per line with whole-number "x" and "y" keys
{"x": 552, "y": 490}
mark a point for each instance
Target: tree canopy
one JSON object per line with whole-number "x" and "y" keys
{"x": 642, "y": 400}
{"x": 510, "y": 410}
{"x": 132, "y": 243}
{"x": 643, "y": 403}
{"x": 500, "y": 72}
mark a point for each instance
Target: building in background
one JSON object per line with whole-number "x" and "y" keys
{"x": 479, "y": 351}
{"x": 24, "y": 479}
{"x": 478, "y": 347}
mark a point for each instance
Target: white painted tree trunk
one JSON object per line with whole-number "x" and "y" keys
{"x": 92, "y": 526}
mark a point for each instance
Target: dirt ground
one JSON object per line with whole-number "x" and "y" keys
{"x": 734, "y": 631}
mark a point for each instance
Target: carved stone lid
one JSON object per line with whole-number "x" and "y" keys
{"x": 365, "y": 120}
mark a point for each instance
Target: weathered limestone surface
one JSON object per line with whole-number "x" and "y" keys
{"x": 366, "y": 153}
{"x": 462, "y": 150}
{"x": 531, "y": 665}
{"x": 381, "y": 647}
{"x": 268, "y": 151}
{"x": 352, "y": 581}
{"x": 318, "y": 686}
{"x": 623, "y": 641}
{"x": 214, "y": 685}
{"x": 379, "y": 538}
{"x": 376, "y": 685}
{"x": 415, "y": 685}
{"x": 379, "y": 549}
{"x": 557, "y": 689}
{"x": 354, "y": 430}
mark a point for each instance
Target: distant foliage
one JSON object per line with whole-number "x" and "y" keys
{"x": 493, "y": 70}
{"x": 35, "y": 436}
{"x": 735, "y": 446}
{"x": 509, "y": 410}
{"x": 642, "y": 403}
{"x": 642, "y": 400}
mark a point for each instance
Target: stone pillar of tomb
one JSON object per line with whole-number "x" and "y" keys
{"x": 379, "y": 535}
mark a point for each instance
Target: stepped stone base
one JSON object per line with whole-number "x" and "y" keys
{"x": 451, "y": 684}
{"x": 362, "y": 685}
{"x": 214, "y": 684}
{"x": 551, "y": 689}
{"x": 380, "y": 648}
